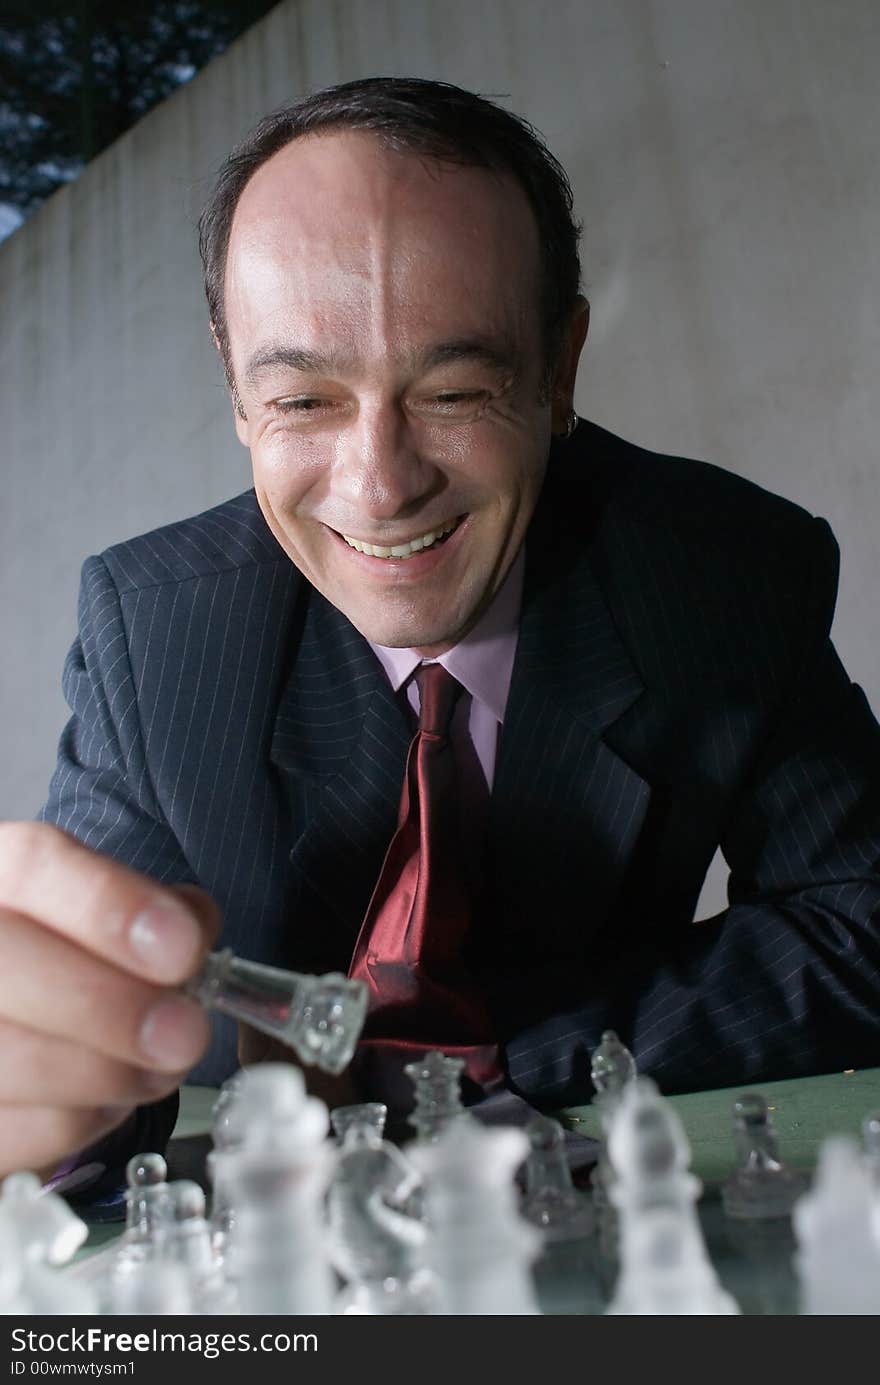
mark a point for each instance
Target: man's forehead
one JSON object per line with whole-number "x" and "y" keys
{"x": 324, "y": 187}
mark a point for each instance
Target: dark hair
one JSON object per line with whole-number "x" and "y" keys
{"x": 433, "y": 119}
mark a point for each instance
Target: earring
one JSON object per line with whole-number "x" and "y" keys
{"x": 570, "y": 425}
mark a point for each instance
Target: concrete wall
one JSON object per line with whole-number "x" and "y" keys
{"x": 723, "y": 155}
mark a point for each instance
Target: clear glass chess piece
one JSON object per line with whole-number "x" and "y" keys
{"x": 436, "y": 1079}
{"x": 761, "y": 1185}
{"x": 187, "y": 1243}
{"x": 565, "y": 1270}
{"x": 376, "y": 1244}
{"x": 319, "y": 1017}
{"x": 371, "y": 1115}
{"x": 871, "y": 1145}
{"x": 147, "y": 1211}
{"x": 226, "y": 1134}
{"x": 551, "y": 1201}
{"x": 612, "y": 1069}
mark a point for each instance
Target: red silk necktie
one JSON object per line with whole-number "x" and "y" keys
{"x": 409, "y": 947}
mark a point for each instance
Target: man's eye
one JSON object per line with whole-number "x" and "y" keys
{"x": 456, "y": 402}
{"x": 302, "y": 404}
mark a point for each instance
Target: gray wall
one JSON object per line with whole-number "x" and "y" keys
{"x": 724, "y": 159}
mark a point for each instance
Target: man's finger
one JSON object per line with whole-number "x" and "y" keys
{"x": 39, "y": 1137}
{"x": 155, "y": 932}
{"x": 42, "y": 1070}
{"x": 50, "y": 984}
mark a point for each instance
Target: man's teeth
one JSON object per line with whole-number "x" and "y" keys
{"x": 400, "y": 550}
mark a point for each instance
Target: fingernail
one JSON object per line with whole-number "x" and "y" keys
{"x": 167, "y": 939}
{"x": 174, "y": 1032}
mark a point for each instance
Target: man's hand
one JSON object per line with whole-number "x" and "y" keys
{"x": 91, "y": 1023}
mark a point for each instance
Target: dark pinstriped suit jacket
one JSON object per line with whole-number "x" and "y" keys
{"x": 674, "y": 689}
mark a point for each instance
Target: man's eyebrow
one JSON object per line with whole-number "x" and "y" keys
{"x": 293, "y": 358}
{"x": 499, "y": 354}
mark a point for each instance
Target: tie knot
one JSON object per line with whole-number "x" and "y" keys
{"x": 438, "y": 694}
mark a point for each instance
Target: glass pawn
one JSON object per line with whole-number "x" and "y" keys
{"x": 319, "y": 1017}
{"x": 147, "y": 1211}
{"x": 761, "y": 1185}
{"x": 665, "y": 1267}
{"x": 437, "y": 1082}
{"x": 376, "y": 1245}
{"x": 187, "y": 1243}
{"x": 479, "y": 1247}
{"x": 551, "y": 1202}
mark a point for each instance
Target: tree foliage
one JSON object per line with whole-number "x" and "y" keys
{"x": 73, "y": 77}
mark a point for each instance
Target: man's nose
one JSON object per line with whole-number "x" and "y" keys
{"x": 380, "y": 471}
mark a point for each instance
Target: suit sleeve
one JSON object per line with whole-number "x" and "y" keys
{"x": 101, "y": 793}
{"x": 786, "y": 981}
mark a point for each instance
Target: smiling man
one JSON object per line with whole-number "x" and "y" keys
{"x": 461, "y": 698}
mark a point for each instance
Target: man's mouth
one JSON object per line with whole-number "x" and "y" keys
{"x": 431, "y": 539}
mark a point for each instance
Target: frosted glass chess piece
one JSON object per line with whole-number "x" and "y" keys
{"x": 277, "y": 1254}
{"x": 761, "y": 1185}
{"x": 664, "y": 1265}
{"x": 11, "y": 1271}
{"x": 437, "y": 1082}
{"x": 612, "y": 1069}
{"x": 871, "y": 1144}
{"x": 479, "y": 1247}
{"x": 319, "y": 1017}
{"x": 837, "y": 1260}
{"x": 376, "y": 1246}
{"x": 46, "y": 1234}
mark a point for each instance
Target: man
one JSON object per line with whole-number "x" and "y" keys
{"x": 392, "y": 274}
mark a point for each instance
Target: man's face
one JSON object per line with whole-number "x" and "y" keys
{"x": 385, "y": 341}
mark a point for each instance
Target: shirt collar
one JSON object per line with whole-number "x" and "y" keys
{"x": 483, "y": 661}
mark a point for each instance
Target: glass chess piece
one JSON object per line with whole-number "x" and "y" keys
{"x": 871, "y": 1145}
{"x": 376, "y": 1242}
{"x": 612, "y": 1069}
{"x": 319, "y": 1017}
{"x": 226, "y": 1134}
{"x": 665, "y": 1267}
{"x": 436, "y": 1079}
{"x": 479, "y": 1248}
{"x": 565, "y": 1270}
{"x": 837, "y": 1260}
{"x": 44, "y": 1234}
{"x": 147, "y": 1211}
{"x": 371, "y": 1115}
{"x": 761, "y": 1185}
{"x": 187, "y": 1242}
{"x": 277, "y": 1256}
{"x": 551, "y": 1202}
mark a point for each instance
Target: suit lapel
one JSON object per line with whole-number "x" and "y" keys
{"x": 566, "y": 807}
{"x": 340, "y": 743}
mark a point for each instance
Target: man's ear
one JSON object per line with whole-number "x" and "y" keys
{"x": 565, "y": 372}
